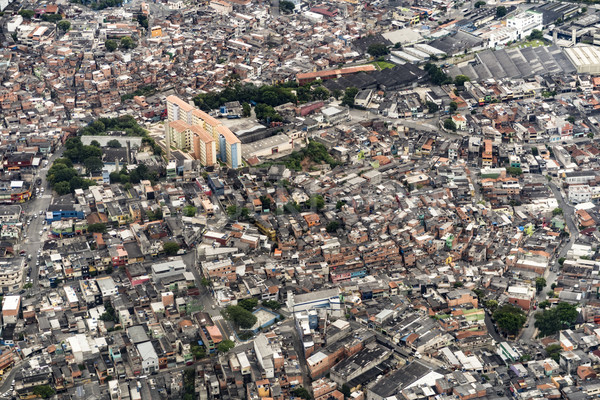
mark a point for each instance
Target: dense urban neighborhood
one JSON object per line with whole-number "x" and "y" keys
{"x": 234, "y": 199}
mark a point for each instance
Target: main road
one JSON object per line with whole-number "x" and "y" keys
{"x": 569, "y": 214}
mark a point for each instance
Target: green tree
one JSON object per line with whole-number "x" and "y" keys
{"x": 225, "y": 346}
{"x": 316, "y": 201}
{"x": 110, "y": 45}
{"x": 557, "y": 211}
{"x": 43, "y": 391}
{"x": 535, "y": 151}
{"x": 436, "y": 75}
{"x": 301, "y": 392}
{"x": 536, "y": 34}
{"x": 54, "y": 18}
{"x": 510, "y": 319}
{"x": 544, "y": 304}
{"x": 239, "y": 316}
{"x": 431, "y": 107}
{"x": 349, "y": 95}
{"x": 97, "y": 228}
{"x": 515, "y": 171}
{"x": 189, "y": 211}
{"x": 246, "y": 109}
{"x": 500, "y": 12}
{"x": 205, "y": 282}
{"x": 479, "y": 4}
{"x": 62, "y": 188}
{"x": 272, "y": 304}
{"x": 552, "y": 320}
{"x": 332, "y": 226}
{"x": 554, "y": 351}
{"x": 540, "y": 284}
{"x": 93, "y": 164}
{"x": 64, "y": 25}
{"x": 171, "y": 248}
{"x": 571, "y": 119}
{"x": 460, "y": 80}
{"x": 127, "y": 43}
{"x": 453, "y": 106}
{"x": 27, "y": 14}
{"x": 449, "y": 124}
{"x": 286, "y": 7}
{"x": 561, "y": 260}
{"x": 143, "y": 21}
{"x": 378, "y": 50}
{"x": 491, "y": 305}
{"x": 114, "y": 143}
{"x": 339, "y": 204}
{"x": 249, "y": 303}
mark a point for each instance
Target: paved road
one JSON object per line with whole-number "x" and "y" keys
{"x": 206, "y": 299}
{"x": 569, "y": 215}
{"x": 34, "y": 240}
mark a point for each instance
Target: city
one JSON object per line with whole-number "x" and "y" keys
{"x": 232, "y": 199}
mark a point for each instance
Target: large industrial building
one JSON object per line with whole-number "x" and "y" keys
{"x": 193, "y": 130}
{"x": 586, "y": 59}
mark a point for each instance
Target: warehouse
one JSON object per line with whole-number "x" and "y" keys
{"x": 586, "y": 59}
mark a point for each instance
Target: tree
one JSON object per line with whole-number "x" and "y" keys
{"x": 64, "y": 25}
{"x": 510, "y": 319}
{"x": 225, "y": 346}
{"x": 536, "y": 34}
{"x": 491, "y": 305}
{"x": 110, "y": 45}
{"x": 449, "y": 124}
{"x": 554, "y": 351}
{"x": 240, "y": 316}
{"x": 205, "y": 282}
{"x": 479, "y": 4}
{"x": 249, "y": 303}
{"x": 460, "y": 80}
{"x": 43, "y": 391}
{"x": 431, "y": 107}
{"x": 534, "y": 151}
{"x": 143, "y": 21}
{"x": 93, "y": 164}
{"x": 540, "y": 284}
{"x": 571, "y": 119}
{"x": 436, "y": 75}
{"x": 500, "y": 11}
{"x": 62, "y": 188}
{"x": 27, "y": 14}
{"x": 189, "y": 211}
{"x": 246, "y": 109}
{"x": 301, "y": 392}
{"x": 272, "y": 304}
{"x": 97, "y": 228}
{"x": 557, "y": 211}
{"x": 54, "y": 18}
{"x": 349, "y": 95}
{"x": 114, "y": 143}
{"x": 514, "y": 171}
{"x": 287, "y": 7}
{"x": 127, "y": 43}
{"x": 378, "y": 50}
{"x": 552, "y": 320}
{"x": 316, "y": 201}
{"x": 332, "y": 226}
{"x": 544, "y": 304}
{"x": 171, "y": 248}
{"x": 453, "y": 106}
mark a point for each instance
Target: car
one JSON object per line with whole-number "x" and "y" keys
{"x": 41, "y": 212}
{"x": 43, "y": 222}
{"x": 526, "y": 325}
{"x": 35, "y": 216}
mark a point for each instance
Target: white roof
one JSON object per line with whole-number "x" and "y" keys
{"x": 11, "y": 303}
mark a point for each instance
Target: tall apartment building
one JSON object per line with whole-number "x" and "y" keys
{"x": 193, "y": 130}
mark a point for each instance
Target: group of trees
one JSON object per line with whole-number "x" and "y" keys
{"x": 557, "y": 318}
{"x": 315, "y": 152}
{"x": 171, "y": 248}
{"x": 349, "y": 95}
{"x": 240, "y": 316}
{"x": 264, "y": 98}
{"x": 65, "y": 179}
{"x": 189, "y": 211}
{"x": 126, "y": 43}
{"x": 125, "y": 176}
{"x": 449, "y": 124}
{"x": 378, "y": 50}
{"x": 436, "y": 75}
{"x": 126, "y": 124}
{"x": 99, "y": 4}
{"x": 286, "y": 7}
{"x": 109, "y": 313}
{"x": 510, "y": 319}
